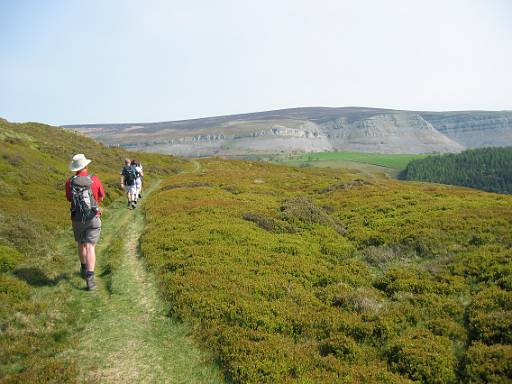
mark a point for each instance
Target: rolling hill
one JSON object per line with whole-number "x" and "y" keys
{"x": 283, "y": 274}
{"x": 313, "y": 129}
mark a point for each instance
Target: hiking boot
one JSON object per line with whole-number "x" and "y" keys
{"x": 129, "y": 204}
{"x": 91, "y": 284}
{"x": 83, "y": 272}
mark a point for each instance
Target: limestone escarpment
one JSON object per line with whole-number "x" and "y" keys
{"x": 313, "y": 129}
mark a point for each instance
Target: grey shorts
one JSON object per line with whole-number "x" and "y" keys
{"x": 88, "y": 232}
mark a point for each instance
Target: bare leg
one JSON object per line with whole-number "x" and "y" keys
{"x": 91, "y": 256}
{"x": 132, "y": 196}
{"x": 82, "y": 252}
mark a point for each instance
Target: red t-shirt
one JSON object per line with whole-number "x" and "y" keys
{"x": 96, "y": 187}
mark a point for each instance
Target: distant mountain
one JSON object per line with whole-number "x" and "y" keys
{"x": 313, "y": 129}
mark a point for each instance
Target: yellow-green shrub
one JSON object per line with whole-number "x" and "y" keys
{"x": 253, "y": 255}
{"x": 423, "y": 357}
{"x": 489, "y": 364}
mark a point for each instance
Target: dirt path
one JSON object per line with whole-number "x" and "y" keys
{"x": 131, "y": 339}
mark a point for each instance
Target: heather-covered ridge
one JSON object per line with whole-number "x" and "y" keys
{"x": 318, "y": 276}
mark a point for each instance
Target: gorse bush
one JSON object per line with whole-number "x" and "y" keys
{"x": 289, "y": 278}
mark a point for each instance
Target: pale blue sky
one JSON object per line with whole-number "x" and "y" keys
{"x": 87, "y": 61}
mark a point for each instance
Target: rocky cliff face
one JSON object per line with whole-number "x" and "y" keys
{"x": 313, "y": 129}
{"x": 474, "y": 129}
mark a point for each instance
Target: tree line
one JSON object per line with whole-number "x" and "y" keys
{"x": 488, "y": 169}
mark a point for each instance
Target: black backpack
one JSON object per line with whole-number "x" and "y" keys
{"x": 83, "y": 204}
{"x": 130, "y": 175}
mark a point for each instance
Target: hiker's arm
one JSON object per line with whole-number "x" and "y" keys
{"x": 122, "y": 181}
{"x": 101, "y": 191}
{"x": 68, "y": 190}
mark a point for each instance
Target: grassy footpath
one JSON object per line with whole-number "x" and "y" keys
{"x": 131, "y": 338}
{"x": 120, "y": 333}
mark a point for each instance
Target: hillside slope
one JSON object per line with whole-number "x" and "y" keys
{"x": 318, "y": 276}
{"x": 286, "y": 274}
{"x": 313, "y": 129}
{"x": 42, "y": 309}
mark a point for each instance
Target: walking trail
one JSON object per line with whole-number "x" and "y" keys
{"x": 131, "y": 339}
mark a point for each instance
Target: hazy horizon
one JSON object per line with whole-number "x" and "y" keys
{"x": 280, "y": 109}
{"x": 75, "y": 62}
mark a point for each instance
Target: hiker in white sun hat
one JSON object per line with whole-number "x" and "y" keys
{"x": 85, "y": 193}
{"x": 79, "y": 162}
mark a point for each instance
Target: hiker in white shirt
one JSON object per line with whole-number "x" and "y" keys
{"x": 138, "y": 180}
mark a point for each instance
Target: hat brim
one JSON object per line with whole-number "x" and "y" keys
{"x": 77, "y": 167}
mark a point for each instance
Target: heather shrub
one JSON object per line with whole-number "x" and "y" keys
{"x": 488, "y": 364}
{"x": 413, "y": 280}
{"x": 343, "y": 347}
{"x": 268, "y": 223}
{"x": 302, "y": 209}
{"x": 447, "y": 327}
{"x": 490, "y": 316}
{"x": 423, "y": 357}
{"x": 389, "y": 300}
{"x": 12, "y": 291}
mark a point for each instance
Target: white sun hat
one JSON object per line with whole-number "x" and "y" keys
{"x": 79, "y": 162}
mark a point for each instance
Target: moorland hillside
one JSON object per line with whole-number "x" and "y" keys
{"x": 285, "y": 274}
{"x": 321, "y": 276}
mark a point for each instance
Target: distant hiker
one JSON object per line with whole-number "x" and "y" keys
{"x": 85, "y": 193}
{"x": 138, "y": 180}
{"x": 129, "y": 176}
{"x": 141, "y": 179}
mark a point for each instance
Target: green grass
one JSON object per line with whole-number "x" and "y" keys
{"x": 395, "y": 162}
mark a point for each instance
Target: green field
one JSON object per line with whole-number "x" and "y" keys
{"x": 394, "y": 162}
